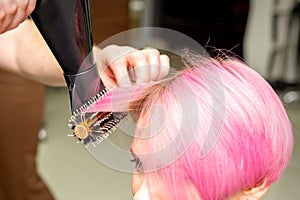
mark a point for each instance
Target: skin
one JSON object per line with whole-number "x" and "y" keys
{"x": 24, "y": 52}
{"x": 122, "y": 66}
{"x": 146, "y": 190}
{"x": 13, "y": 12}
{"x": 143, "y": 190}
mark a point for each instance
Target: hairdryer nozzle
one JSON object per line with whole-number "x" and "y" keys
{"x": 66, "y": 28}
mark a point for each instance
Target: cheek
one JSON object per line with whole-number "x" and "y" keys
{"x": 143, "y": 193}
{"x": 137, "y": 181}
{"x": 146, "y": 190}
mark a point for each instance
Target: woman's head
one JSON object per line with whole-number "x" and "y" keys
{"x": 216, "y": 130}
{"x": 213, "y": 131}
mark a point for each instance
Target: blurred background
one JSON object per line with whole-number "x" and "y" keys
{"x": 264, "y": 33}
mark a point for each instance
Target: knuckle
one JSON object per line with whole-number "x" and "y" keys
{"x": 12, "y": 8}
{"x": 23, "y": 4}
{"x": 30, "y": 7}
{"x": 165, "y": 58}
{"x": 139, "y": 55}
{"x": 153, "y": 52}
{"x": 118, "y": 68}
{"x": 110, "y": 47}
{"x": 117, "y": 62}
{"x": 114, "y": 62}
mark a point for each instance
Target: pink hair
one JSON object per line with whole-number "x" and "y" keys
{"x": 223, "y": 129}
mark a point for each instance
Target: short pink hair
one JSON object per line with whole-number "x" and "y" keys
{"x": 224, "y": 124}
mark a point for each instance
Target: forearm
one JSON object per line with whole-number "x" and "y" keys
{"x": 24, "y": 51}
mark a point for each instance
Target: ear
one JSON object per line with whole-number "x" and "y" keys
{"x": 256, "y": 192}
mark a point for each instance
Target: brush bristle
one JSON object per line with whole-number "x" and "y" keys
{"x": 92, "y": 128}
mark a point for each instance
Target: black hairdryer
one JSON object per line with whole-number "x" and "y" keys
{"x": 67, "y": 29}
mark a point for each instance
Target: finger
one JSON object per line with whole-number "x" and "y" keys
{"x": 20, "y": 14}
{"x": 120, "y": 72}
{"x": 2, "y": 16}
{"x": 154, "y": 63}
{"x": 140, "y": 65}
{"x": 9, "y": 8}
{"x": 107, "y": 77}
{"x": 30, "y": 7}
{"x": 23, "y": 4}
{"x": 2, "y": 10}
{"x": 164, "y": 66}
{"x": 17, "y": 20}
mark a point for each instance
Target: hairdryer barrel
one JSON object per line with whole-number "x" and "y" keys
{"x": 66, "y": 27}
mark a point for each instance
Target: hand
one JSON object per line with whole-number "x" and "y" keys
{"x": 14, "y": 12}
{"x": 124, "y": 65}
